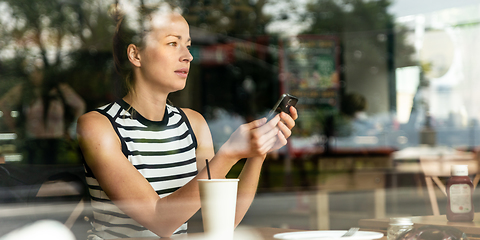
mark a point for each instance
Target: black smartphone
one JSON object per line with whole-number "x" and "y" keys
{"x": 283, "y": 105}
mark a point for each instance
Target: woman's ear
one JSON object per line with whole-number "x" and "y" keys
{"x": 133, "y": 54}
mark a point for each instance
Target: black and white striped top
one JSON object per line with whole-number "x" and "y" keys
{"x": 163, "y": 152}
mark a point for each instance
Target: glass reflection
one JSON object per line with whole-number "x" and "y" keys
{"x": 376, "y": 79}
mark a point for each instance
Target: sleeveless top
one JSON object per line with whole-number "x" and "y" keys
{"x": 162, "y": 151}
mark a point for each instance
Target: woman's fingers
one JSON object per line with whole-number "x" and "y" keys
{"x": 287, "y": 132}
{"x": 271, "y": 134}
{"x": 289, "y": 120}
{"x": 255, "y": 124}
{"x": 268, "y": 145}
{"x": 285, "y": 125}
{"x": 293, "y": 112}
{"x": 262, "y": 136}
{"x": 270, "y": 124}
{"x": 281, "y": 139}
{"x": 263, "y": 129}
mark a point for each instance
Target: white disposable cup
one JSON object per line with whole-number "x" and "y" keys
{"x": 219, "y": 200}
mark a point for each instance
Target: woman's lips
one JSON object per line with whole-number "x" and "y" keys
{"x": 183, "y": 73}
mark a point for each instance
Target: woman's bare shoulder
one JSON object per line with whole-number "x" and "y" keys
{"x": 98, "y": 140}
{"x": 198, "y": 122}
{"x": 200, "y": 128}
{"x": 91, "y": 119}
{"x": 93, "y": 124}
{"x": 193, "y": 116}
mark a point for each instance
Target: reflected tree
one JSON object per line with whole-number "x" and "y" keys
{"x": 63, "y": 35}
{"x": 234, "y": 18}
{"x": 49, "y": 49}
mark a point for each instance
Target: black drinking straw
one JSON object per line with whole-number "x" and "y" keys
{"x": 208, "y": 170}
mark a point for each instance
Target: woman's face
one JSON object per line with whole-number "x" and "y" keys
{"x": 165, "y": 58}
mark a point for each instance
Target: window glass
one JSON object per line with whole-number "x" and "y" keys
{"x": 378, "y": 82}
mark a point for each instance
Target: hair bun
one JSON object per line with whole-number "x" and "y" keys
{"x": 115, "y": 12}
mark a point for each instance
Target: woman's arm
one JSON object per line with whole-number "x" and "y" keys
{"x": 131, "y": 192}
{"x": 7, "y": 103}
{"x": 72, "y": 99}
{"x": 250, "y": 174}
{"x": 122, "y": 183}
{"x": 269, "y": 137}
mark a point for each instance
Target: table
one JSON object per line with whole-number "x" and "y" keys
{"x": 408, "y": 160}
{"x": 427, "y": 164}
{"x": 253, "y": 233}
{"x": 472, "y": 229}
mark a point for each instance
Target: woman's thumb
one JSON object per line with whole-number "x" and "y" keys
{"x": 257, "y": 123}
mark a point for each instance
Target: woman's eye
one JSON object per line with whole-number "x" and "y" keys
{"x": 172, "y": 44}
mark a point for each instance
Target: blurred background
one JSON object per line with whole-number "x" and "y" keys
{"x": 383, "y": 85}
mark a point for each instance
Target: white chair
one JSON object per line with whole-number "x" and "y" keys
{"x": 61, "y": 188}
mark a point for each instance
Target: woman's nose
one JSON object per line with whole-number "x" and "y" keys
{"x": 188, "y": 57}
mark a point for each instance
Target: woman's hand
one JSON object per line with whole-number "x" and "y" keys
{"x": 260, "y": 137}
{"x": 285, "y": 125}
{"x": 252, "y": 139}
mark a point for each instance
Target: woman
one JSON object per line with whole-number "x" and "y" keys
{"x": 145, "y": 156}
{"x": 48, "y": 109}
